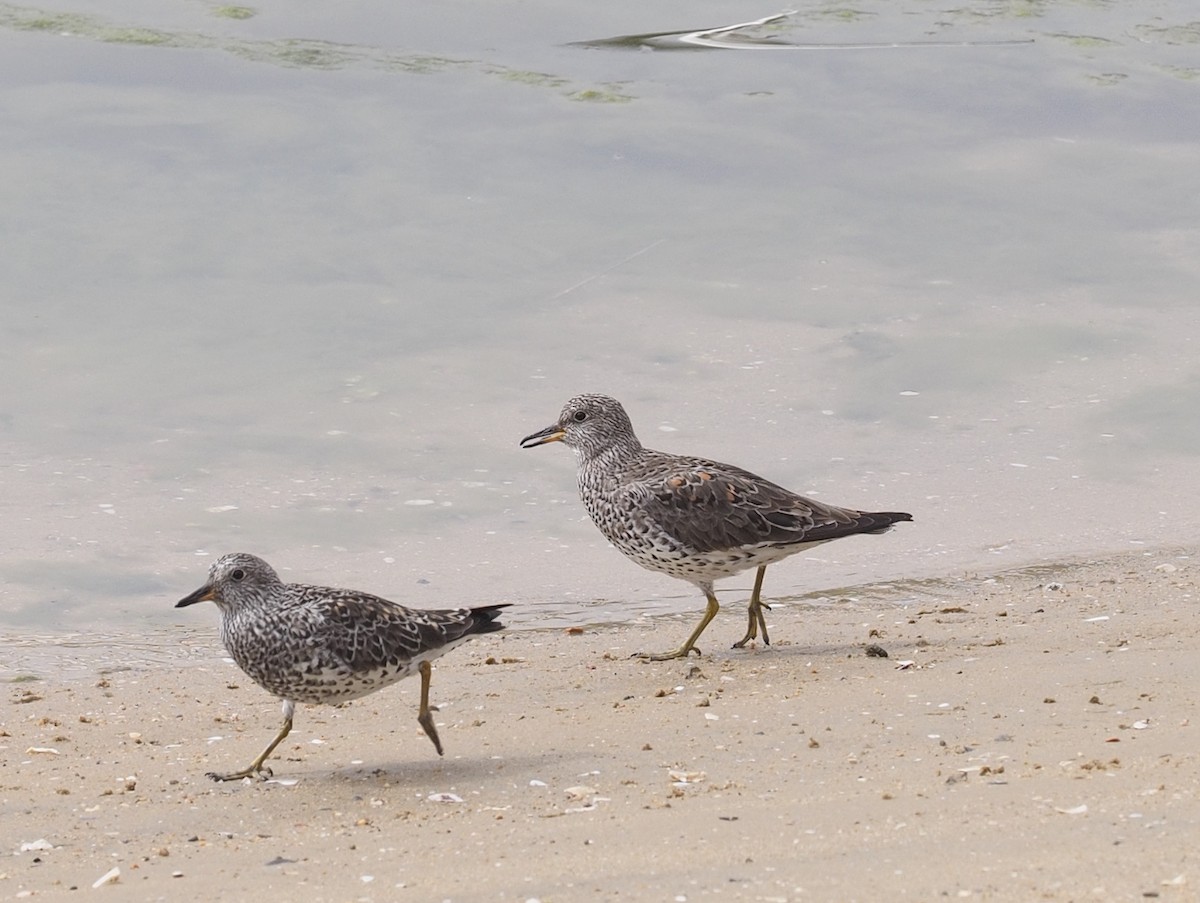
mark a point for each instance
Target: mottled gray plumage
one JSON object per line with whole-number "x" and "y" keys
{"x": 692, "y": 518}
{"x": 319, "y": 644}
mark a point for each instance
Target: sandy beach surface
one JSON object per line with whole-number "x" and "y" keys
{"x": 1028, "y": 737}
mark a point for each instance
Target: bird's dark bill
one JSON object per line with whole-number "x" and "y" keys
{"x": 203, "y": 594}
{"x": 541, "y": 437}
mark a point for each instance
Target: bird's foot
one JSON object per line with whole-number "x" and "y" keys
{"x": 256, "y": 770}
{"x": 426, "y": 721}
{"x": 757, "y": 623}
{"x": 682, "y": 652}
{"x": 750, "y": 637}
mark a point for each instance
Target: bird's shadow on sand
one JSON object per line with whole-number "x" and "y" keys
{"x": 427, "y": 775}
{"x": 750, "y": 656}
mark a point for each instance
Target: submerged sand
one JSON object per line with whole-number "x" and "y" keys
{"x": 1028, "y": 737}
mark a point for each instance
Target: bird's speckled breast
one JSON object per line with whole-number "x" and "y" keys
{"x": 288, "y": 658}
{"x": 615, "y": 503}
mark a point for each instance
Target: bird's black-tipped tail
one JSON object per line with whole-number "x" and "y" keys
{"x": 883, "y": 520}
{"x": 846, "y": 522}
{"x": 483, "y": 619}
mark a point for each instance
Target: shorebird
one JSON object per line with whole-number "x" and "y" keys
{"x": 692, "y": 518}
{"x": 318, "y": 644}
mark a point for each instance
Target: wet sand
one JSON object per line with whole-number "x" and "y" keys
{"x": 1028, "y": 737}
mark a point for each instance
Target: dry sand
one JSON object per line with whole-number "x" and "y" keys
{"x": 1038, "y": 747}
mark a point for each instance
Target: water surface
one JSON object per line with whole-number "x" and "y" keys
{"x": 297, "y": 283}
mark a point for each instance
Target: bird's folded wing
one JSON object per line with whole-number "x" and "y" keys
{"x": 709, "y": 508}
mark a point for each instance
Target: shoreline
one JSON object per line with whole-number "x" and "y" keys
{"x": 171, "y": 641}
{"x": 1037, "y": 744}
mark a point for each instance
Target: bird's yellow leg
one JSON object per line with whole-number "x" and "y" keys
{"x": 256, "y": 768}
{"x": 757, "y": 621}
{"x": 423, "y": 717}
{"x": 689, "y": 645}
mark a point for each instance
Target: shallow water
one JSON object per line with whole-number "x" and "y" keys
{"x": 297, "y": 283}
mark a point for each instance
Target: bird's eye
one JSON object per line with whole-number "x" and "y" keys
{"x": 579, "y": 416}
{"x": 237, "y": 574}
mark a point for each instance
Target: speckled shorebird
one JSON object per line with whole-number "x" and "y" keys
{"x": 692, "y": 518}
{"x": 322, "y": 645}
